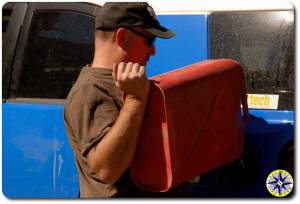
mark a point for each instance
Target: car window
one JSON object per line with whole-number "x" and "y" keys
{"x": 263, "y": 42}
{"x": 59, "y": 44}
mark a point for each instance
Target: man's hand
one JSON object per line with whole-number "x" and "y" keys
{"x": 131, "y": 78}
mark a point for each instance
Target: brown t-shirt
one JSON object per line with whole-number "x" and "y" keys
{"x": 92, "y": 106}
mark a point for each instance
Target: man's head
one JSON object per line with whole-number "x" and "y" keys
{"x": 135, "y": 28}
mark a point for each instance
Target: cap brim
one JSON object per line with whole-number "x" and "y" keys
{"x": 161, "y": 32}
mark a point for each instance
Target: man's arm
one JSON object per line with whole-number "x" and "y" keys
{"x": 113, "y": 154}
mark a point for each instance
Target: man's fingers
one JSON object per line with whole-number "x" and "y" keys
{"x": 128, "y": 68}
{"x": 136, "y": 68}
{"x": 121, "y": 68}
{"x": 142, "y": 71}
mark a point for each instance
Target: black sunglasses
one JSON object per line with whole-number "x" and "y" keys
{"x": 150, "y": 40}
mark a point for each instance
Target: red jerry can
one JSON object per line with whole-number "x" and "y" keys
{"x": 193, "y": 124}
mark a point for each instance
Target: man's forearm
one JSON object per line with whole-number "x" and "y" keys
{"x": 113, "y": 155}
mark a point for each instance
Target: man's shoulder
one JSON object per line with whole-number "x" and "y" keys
{"x": 91, "y": 80}
{"x": 93, "y": 86}
{"x": 88, "y": 92}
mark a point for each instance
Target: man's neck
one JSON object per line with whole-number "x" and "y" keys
{"x": 106, "y": 59}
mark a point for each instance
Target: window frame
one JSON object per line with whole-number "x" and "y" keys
{"x": 83, "y": 8}
{"x": 10, "y": 43}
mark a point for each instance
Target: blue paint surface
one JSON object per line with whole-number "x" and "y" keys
{"x": 187, "y": 47}
{"x": 37, "y": 159}
{"x": 275, "y": 116}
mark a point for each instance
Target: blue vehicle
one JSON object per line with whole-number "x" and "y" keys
{"x": 45, "y": 45}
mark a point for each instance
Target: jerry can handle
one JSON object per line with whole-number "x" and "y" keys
{"x": 244, "y": 104}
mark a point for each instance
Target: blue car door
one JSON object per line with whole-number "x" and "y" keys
{"x": 53, "y": 43}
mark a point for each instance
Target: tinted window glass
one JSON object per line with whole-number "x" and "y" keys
{"x": 59, "y": 45}
{"x": 263, "y": 42}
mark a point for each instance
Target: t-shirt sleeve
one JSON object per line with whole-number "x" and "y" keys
{"x": 91, "y": 114}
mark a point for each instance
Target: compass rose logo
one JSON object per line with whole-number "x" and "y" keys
{"x": 279, "y": 183}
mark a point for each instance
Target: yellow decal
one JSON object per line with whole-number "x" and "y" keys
{"x": 262, "y": 101}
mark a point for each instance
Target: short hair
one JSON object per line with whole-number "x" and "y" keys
{"x": 104, "y": 35}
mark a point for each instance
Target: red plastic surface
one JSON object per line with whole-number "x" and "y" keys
{"x": 193, "y": 124}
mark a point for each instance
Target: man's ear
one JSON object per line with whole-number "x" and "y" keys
{"x": 121, "y": 38}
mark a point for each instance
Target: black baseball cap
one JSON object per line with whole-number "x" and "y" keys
{"x": 115, "y": 15}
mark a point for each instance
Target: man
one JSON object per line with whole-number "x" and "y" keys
{"x": 105, "y": 107}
